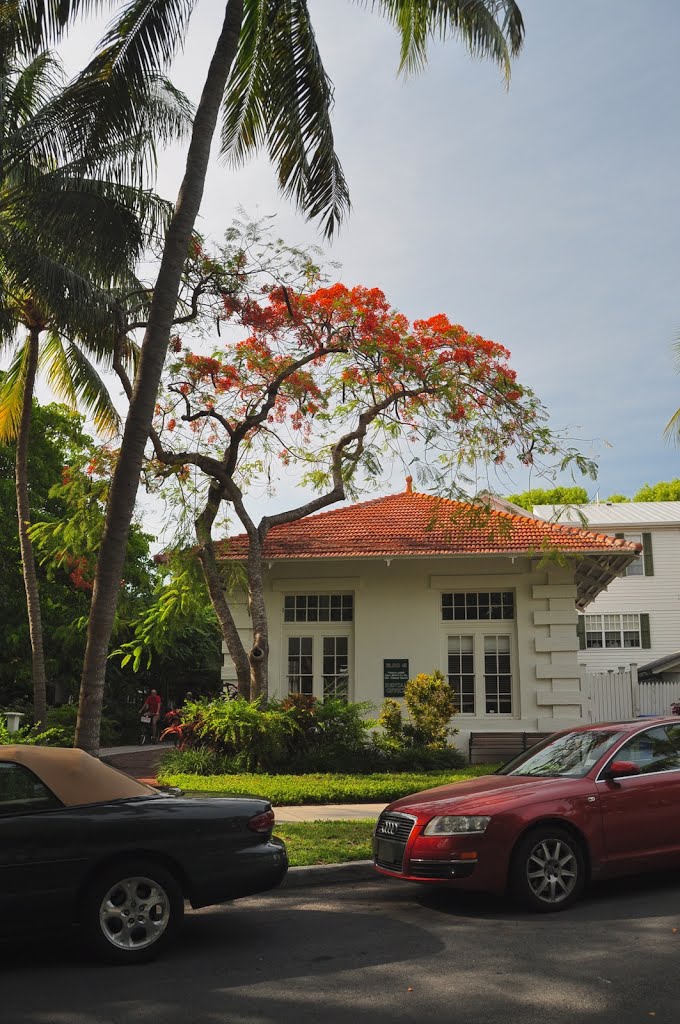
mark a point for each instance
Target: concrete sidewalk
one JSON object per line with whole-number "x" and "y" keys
{"x": 328, "y": 812}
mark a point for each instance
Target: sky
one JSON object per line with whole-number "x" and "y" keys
{"x": 546, "y": 217}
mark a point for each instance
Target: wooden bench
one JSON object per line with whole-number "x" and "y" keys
{"x": 490, "y": 747}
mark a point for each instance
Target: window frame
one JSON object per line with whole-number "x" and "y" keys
{"x": 469, "y": 600}
{"x": 479, "y": 631}
{"x": 621, "y": 630}
{"x": 311, "y": 602}
{"x": 317, "y": 632}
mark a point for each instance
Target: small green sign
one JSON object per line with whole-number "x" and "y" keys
{"x": 395, "y": 676}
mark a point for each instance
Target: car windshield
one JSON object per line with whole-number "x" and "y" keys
{"x": 571, "y": 755}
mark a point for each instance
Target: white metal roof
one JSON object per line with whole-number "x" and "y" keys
{"x": 623, "y": 513}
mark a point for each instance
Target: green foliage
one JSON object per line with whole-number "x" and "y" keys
{"x": 302, "y": 734}
{"x": 321, "y": 788}
{"x": 430, "y": 705}
{"x": 551, "y": 496}
{"x": 180, "y": 615}
{"x": 59, "y": 731}
{"x": 55, "y": 436}
{"x": 253, "y": 737}
{"x": 617, "y": 499}
{"x": 665, "y": 490}
{"x": 390, "y": 719}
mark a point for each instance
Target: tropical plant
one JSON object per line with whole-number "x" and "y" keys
{"x": 67, "y": 230}
{"x": 267, "y": 74}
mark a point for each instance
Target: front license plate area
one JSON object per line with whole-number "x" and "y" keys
{"x": 389, "y": 853}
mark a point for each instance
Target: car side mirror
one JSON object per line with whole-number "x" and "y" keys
{"x": 621, "y": 769}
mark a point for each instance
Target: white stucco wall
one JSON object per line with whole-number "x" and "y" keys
{"x": 397, "y": 614}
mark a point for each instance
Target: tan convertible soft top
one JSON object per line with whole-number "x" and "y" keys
{"x": 74, "y": 776}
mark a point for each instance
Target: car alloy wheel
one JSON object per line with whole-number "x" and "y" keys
{"x": 134, "y": 913}
{"x": 548, "y": 870}
{"x": 131, "y": 910}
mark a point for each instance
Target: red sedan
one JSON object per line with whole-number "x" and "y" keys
{"x": 593, "y": 802}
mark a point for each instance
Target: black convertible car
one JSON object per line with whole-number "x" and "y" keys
{"x": 83, "y": 844}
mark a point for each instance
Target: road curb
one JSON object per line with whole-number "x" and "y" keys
{"x": 330, "y": 874}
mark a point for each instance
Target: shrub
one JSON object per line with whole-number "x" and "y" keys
{"x": 390, "y": 719}
{"x": 59, "y": 730}
{"x": 430, "y": 704}
{"x": 301, "y": 734}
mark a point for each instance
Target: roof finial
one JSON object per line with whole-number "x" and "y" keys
{"x": 409, "y": 485}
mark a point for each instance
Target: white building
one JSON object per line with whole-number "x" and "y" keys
{"x": 636, "y": 620}
{"x": 364, "y": 597}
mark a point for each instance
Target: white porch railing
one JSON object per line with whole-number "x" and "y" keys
{"x": 617, "y": 695}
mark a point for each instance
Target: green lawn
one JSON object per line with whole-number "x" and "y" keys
{"x": 292, "y": 790}
{"x": 326, "y": 842}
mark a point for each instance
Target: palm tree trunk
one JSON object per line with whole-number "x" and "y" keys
{"x": 24, "y": 517}
{"x": 125, "y": 480}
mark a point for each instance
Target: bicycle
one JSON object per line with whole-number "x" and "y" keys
{"x": 146, "y": 730}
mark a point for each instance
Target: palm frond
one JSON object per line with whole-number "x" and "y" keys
{"x": 12, "y": 393}
{"x": 38, "y": 23}
{"x": 491, "y": 29}
{"x": 672, "y": 429}
{"x": 77, "y": 382}
{"x": 143, "y": 39}
{"x": 284, "y": 101}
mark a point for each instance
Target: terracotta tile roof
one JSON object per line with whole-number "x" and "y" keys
{"x": 412, "y": 524}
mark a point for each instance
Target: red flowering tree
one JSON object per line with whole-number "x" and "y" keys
{"x": 330, "y": 380}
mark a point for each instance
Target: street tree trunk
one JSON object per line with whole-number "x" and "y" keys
{"x": 213, "y": 579}
{"x": 258, "y": 655}
{"x": 24, "y": 517}
{"x": 125, "y": 481}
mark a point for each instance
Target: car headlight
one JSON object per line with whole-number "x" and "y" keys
{"x": 453, "y": 825}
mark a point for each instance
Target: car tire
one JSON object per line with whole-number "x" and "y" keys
{"x": 548, "y": 870}
{"x": 131, "y": 911}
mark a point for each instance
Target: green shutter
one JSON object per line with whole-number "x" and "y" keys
{"x": 647, "y": 554}
{"x": 581, "y": 632}
{"x": 619, "y": 536}
{"x": 645, "y": 636}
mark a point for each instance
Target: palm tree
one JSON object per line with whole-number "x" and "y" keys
{"x": 66, "y": 233}
{"x": 267, "y": 75}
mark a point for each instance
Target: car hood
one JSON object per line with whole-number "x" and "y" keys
{"x": 488, "y": 794}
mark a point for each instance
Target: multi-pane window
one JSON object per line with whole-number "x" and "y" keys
{"x": 318, "y": 608}
{"x": 604, "y": 631}
{"x": 336, "y": 666}
{"x": 461, "y": 672}
{"x": 497, "y": 675}
{"x": 467, "y": 606}
{"x": 300, "y": 664}
{"x": 636, "y": 568}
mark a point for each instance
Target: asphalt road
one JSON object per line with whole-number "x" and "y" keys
{"x": 380, "y": 952}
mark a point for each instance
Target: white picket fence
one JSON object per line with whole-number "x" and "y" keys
{"x": 617, "y": 695}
